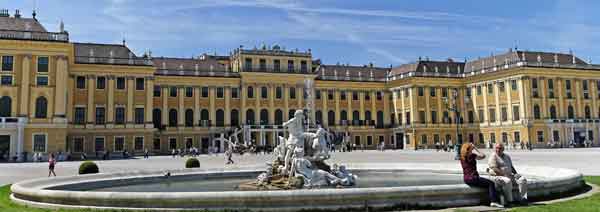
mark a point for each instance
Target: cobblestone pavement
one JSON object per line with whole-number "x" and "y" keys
{"x": 583, "y": 160}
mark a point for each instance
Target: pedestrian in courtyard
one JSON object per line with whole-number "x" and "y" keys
{"x": 51, "y": 165}
{"x": 228, "y": 155}
{"x": 146, "y": 153}
{"x": 469, "y": 154}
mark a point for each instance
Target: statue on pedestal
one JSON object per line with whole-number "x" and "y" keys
{"x": 301, "y": 166}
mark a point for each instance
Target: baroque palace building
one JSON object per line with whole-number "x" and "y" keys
{"x": 62, "y": 96}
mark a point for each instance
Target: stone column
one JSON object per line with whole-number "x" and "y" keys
{"x": 71, "y": 88}
{"x": 212, "y": 110}
{"x": 149, "y": 107}
{"x": 561, "y": 104}
{"x": 196, "y": 105}
{"x": 227, "y": 112}
{"x": 243, "y": 96}
{"x": 181, "y": 108}
{"x": 361, "y": 102}
{"x": 542, "y": 88}
{"x": 337, "y": 106}
{"x": 324, "y": 108}
{"x": 386, "y": 108}
{"x": 25, "y": 93}
{"x": 110, "y": 105}
{"x": 486, "y": 111}
{"x": 60, "y": 98}
{"x": 130, "y": 100}
{"x": 272, "y": 104}
{"x": 373, "y": 105}
{"x": 497, "y": 100}
{"x": 91, "y": 88}
{"x": 165, "y": 105}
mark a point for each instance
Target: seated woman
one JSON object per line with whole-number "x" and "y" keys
{"x": 468, "y": 161}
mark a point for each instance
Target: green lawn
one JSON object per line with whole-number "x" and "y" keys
{"x": 588, "y": 204}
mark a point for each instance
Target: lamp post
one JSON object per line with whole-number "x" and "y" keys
{"x": 452, "y": 105}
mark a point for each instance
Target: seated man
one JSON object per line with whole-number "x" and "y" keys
{"x": 504, "y": 174}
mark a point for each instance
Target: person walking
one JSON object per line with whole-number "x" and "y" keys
{"x": 146, "y": 153}
{"x": 228, "y": 154}
{"x": 469, "y": 155}
{"x": 51, "y": 165}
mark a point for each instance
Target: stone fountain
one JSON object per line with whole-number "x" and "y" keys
{"x": 300, "y": 162}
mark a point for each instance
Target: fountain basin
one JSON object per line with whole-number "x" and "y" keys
{"x": 147, "y": 190}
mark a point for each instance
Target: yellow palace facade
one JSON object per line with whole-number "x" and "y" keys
{"x": 74, "y": 98}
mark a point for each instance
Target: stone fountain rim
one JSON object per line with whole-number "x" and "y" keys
{"x": 37, "y": 188}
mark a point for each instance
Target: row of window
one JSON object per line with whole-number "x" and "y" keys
{"x": 204, "y": 92}
{"x": 568, "y": 88}
{"x": 41, "y": 80}
{"x": 80, "y": 115}
{"x": 262, "y": 65}
{"x": 101, "y": 83}
{"x": 8, "y": 63}
{"x": 100, "y": 144}
{"x": 570, "y": 112}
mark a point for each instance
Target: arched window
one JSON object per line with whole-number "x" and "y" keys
{"x": 278, "y": 117}
{"x": 235, "y": 117}
{"x": 331, "y": 118}
{"x": 204, "y": 117}
{"x": 319, "y": 117}
{"x": 552, "y": 112}
{"x": 264, "y": 117}
{"x": 220, "y": 118}
{"x": 368, "y": 115}
{"x": 588, "y": 112}
{"x": 250, "y": 116}
{"x": 343, "y": 115}
{"x": 5, "y": 106}
{"x": 41, "y": 107}
{"x": 355, "y": 115}
{"x": 189, "y": 118}
{"x": 172, "y": 117}
{"x": 536, "y": 112}
{"x": 264, "y": 92}
{"x": 570, "y": 112}
{"x": 157, "y": 117}
{"x": 380, "y": 118}
{"x": 250, "y": 92}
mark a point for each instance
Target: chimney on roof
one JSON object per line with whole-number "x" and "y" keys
{"x": 17, "y": 14}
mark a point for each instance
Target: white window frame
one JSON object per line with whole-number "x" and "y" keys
{"x": 115, "y": 143}
{"x": 47, "y": 79}
{"x": 169, "y": 142}
{"x": 143, "y": 143}
{"x": 104, "y": 143}
{"x": 82, "y": 145}
{"x": 45, "y": 141}
{"x": 185, "y": 141}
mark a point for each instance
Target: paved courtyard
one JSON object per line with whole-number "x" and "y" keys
{"x": 583, "y": 160}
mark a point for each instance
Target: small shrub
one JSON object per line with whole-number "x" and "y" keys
{"x": 192, "y": 163}
{"x": 88, "y": 167}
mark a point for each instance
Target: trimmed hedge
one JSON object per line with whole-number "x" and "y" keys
{"x": 88, "y": 167}
{"x": 192, "y": 163}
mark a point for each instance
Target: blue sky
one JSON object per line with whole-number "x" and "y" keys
{"x": 386, "y": 33}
